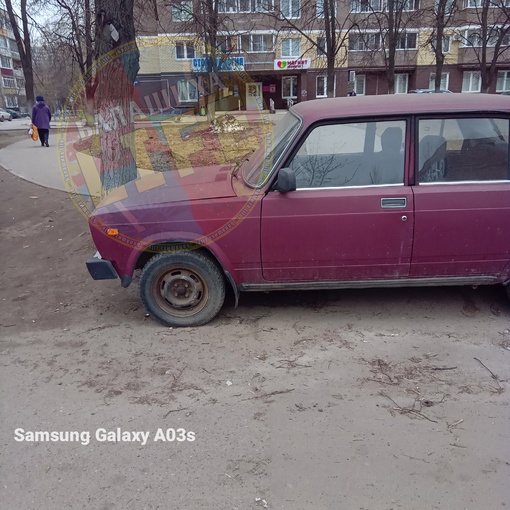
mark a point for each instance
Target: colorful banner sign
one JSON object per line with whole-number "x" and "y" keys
{"x": 288, "y": 65}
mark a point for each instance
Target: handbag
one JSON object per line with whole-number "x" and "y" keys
{"x": 34, "y": 133}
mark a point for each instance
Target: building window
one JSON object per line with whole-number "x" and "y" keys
{"x": 9, "y": 82}
{"x": 446, "y": 44}
{"x": 5, "y": 62}
{"x": 321, "y": 86}
{"x": 291, "y": 8}
{"x": 359, "y": 84}
{"x": 227, "y": 6}
{"x": 471, "y": 81}
{"x": 255, "y": 5}
{"x": 257, "y": 42}
{"x": 445, "y": 79}
{"x": 11, "y": 102}
{"x": 20, "y": 82}
{"x": 472, "y": 38}
{"x": 289, "y": 87}
{"x": 187, "y": 90}
{"x": 291, "y": 48}
{"x": 473, "y": 3}
{"x": 401, "y": 83}
{"x": 366, "y": 5}
{"x": 408, "y": 5}
{"x": 503, "y": 83}
{"x": 225, "y": 45}
{"x": 184, "y": 50}
{"x": 364, "y": 42}
{"x": 182, "y": 11}
{"x": 321, "y": 47}
{"x": 3, "y": 42}
{"x": 319, "y": 9}
{"x": 407, "y": 41}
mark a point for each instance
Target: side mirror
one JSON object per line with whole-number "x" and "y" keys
{"x": 286, "y": 181}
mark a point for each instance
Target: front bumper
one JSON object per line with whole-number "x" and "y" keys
{"x": 101, "y": 269}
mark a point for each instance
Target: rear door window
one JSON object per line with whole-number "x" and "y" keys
{"x": 463, "y": 150}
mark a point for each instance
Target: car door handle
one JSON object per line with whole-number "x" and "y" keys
{"x": 393, "y": 203}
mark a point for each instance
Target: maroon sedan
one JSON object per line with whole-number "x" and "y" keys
{"x": 378, "y": 191}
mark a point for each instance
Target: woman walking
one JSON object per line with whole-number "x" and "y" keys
{"x": 41, "y": 117}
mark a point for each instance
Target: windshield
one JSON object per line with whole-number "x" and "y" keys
{"x": 257, "y": 169}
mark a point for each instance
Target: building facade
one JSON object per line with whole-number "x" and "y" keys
{"x": 12, "y": 83}
{"x": 278, "y": 50}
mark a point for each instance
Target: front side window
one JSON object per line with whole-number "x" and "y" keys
{"x": 463, "y": 149}
{"x": 289, "y": 87}
{"x": 291, "y": 48}
{"x": 184, "y": 50}
{"x": 354, "y": 154}
{"x": 503, "y": 83}
{"x": 471, "y": 81}
{"x": 291, "y": 8}
{"x": 187, "y": 90}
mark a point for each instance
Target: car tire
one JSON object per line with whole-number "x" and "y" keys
{"x": 182, "y": 288}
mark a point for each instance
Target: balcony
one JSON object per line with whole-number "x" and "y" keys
{"x": 18, "y": 73}
{"x": 375, "y": 59}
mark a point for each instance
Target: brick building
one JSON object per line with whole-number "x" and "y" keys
{"x": 282, "y": 46}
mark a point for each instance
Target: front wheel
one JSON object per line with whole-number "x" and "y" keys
{"x": 182, "y": 288}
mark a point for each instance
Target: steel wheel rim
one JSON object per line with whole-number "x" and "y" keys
{"x": 180, "y": 291}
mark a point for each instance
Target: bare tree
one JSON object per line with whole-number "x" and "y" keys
{"x": 21, "y": 29}
{"x": 441, "y": 15}
{"x": 320, "y": 23}
{"x": 117, "y": 64}
{"x": 392, "y": 21}
{"x": 488, "y": 37}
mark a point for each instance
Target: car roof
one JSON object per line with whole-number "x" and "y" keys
{"x": 399, "y": 104}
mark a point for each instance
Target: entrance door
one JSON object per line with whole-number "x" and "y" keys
{"x": 254, "y": 96}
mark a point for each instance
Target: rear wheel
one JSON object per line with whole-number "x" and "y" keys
{"x": 182, "y": 288}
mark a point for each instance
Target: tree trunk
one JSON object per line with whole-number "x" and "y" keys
{"x": 115, "y": 78}
{"x": 24, "y": 47}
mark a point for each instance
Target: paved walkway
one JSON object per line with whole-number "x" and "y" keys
{"x": 41, "y": 165}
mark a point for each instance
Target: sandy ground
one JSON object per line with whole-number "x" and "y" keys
{"x": 364, "y": 400}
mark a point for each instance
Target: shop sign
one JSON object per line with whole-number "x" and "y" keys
{"x": 299, "y": 63}
{"x": 199, "y": 65}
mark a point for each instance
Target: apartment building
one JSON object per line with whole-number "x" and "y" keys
{"x": 12, "y": 84}
{"x": 277, "y": 49}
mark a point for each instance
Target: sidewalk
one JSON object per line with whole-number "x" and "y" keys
{"x": 41, "y": 165}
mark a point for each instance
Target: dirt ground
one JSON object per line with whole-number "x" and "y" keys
{"x": 362, "y": 400}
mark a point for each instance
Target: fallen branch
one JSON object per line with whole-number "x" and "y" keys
{"x": 265, "y": 395}
{"x": 408, "y": 410}
{"x": 493, "y": 375}
{"x": 175, "y": 411}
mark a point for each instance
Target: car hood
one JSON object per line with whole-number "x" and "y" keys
{"x": 161, "y": 188}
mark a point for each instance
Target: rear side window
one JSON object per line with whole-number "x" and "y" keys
{"x": 463, "y": 149}
{"x": 353, "y": 154}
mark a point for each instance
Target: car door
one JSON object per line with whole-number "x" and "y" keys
{"x": 351, "y": 216}
{"x": 462, "y": 197}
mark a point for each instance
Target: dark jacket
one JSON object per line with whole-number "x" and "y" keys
{"x": 41, "y": 115}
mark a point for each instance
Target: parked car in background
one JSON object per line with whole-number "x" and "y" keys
{"x": 4, "y": 115}
{"x": 429, "y": 91}
{"x": 14, "y": 113}
{"x": 374, "y": 191}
